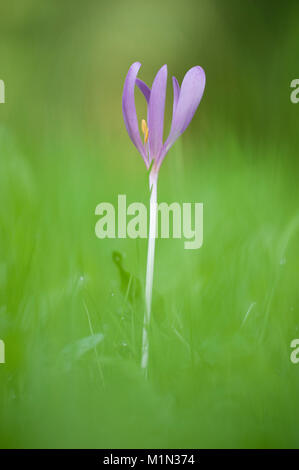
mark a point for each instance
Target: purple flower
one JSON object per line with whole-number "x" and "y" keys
{"x": 153, "y": 150}
{"x": 185, "y": 102}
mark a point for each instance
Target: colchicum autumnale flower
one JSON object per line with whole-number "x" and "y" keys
{"x": 153, "y": 150}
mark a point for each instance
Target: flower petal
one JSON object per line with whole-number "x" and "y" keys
{"x": 144, "y": 89}
{"x": 156, "y": 109}
{"x": 176, "y": 94}
{"x": 190, "y": 95}
{"x": 129, "y": 109}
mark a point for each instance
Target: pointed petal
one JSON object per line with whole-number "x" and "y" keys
{"x": 176, "y": 94}
{"x": 144, "y": 89}
{"x": 190, "y": 96}
{"x": 129, "y": 109}
{"x": 156, "y": 109}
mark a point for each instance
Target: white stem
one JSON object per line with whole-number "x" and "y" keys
{"x": 153, "y": 178}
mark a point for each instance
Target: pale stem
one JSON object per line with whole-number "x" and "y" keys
{"x": 153, "y": 178}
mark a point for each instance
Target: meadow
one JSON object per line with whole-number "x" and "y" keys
{"x": 220, "y": 373}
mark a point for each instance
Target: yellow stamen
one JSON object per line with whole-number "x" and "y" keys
{"x": 144, "y": 129}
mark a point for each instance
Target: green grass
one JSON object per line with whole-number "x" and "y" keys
{"x": 215, "y": 379}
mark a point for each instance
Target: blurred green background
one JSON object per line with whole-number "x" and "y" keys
{"x": 223, "y": 316}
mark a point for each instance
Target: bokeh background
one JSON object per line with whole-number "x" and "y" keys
{"x": 223, "y": 316}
